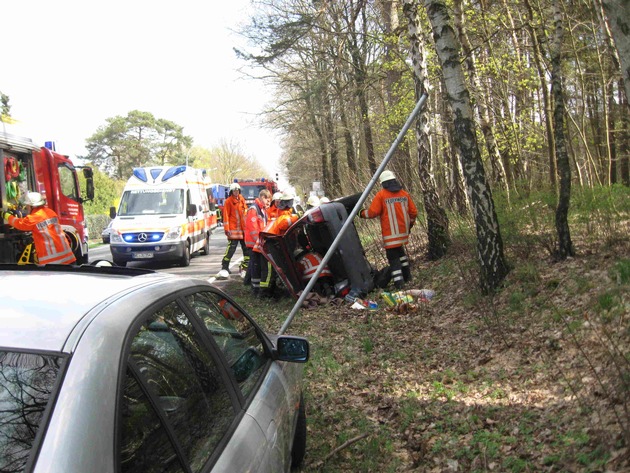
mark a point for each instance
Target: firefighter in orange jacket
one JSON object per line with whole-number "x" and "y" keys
{"x": 272, "y": 210}
{"x": 51, "y": 243}
{"x": 255, "y": 221}
{"x": 398, "y": 214}
{"x": 285, "y": 217}
{"x": 234, "y": 227}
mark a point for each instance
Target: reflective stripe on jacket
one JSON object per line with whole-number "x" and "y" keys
{"x": 309, "y": 264}
{"x": 234, "y": 216}
{"x": 255, "y": 221}
{"x": 397, "y": 211}
{"x": 51, "y": 243}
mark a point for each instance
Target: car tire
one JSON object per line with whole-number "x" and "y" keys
{"x": 120, "y": 262}
{"x": 299, "y": 440}
{"x": 185, "y": 260}
{"x": 206, "y": 245}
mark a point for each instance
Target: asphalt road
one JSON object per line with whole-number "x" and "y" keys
{"x": 201, "y": 266}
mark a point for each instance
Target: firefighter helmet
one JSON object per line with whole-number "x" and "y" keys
{"x": 387, "y": 176}
{"x": 34, "y": 199}
{"x": 286, "y": 200}
{"x": 235, "y": 187}
{"x": 313, "y": 201}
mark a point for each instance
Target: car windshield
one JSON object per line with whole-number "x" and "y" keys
{"x": 151, "y": 201}
{"x": 27, "y": 381}
{"x": 251, "y": 192}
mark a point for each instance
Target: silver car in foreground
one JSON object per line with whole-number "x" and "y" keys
{"x": 123, "y": 370}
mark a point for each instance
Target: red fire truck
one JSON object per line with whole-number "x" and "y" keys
{"x": 250, "y": 188}
{"x": 27, "y": 167}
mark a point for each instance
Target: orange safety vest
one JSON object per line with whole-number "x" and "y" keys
{"x": 397, "y": 212}
{"x": 51, "y": 243}
{"x": 284, "y": 220}
{"x": 255, "y": 221}
{"x": 309, "y": 264}
{"x": 272, "y": 211}
{"x": 234, "y": 216}
{"x": 229, "y": 311}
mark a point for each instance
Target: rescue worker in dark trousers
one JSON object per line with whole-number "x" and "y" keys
{"x": 51, "y": 244}
{"x": 234, "y": 225}
{"x": 284, "y": 219}
{"x": 398, "y": 213}
{"x": 255, "y": 221}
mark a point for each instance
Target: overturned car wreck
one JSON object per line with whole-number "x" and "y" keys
{"x": 294, "y": 255}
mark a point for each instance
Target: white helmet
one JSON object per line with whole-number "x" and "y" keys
{"x": 235, "y": 186}
{"x": 277, "y": 196}
{"x": 313, "y": 201}
{"x": 387, "y": 176}
{"x": 34, "y": 199}
{"x": 286, "y": 200}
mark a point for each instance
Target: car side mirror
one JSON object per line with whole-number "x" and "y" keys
{"x": 295, "y": 349}
{"x": 112, "y": 212}
{"x": 191, "y": 210}
{"x": 89, "y": 183}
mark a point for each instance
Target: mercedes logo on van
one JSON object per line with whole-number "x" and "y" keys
{"x": 142, "y": 237}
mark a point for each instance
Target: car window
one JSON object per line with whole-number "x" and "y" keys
{"x": 147, "y": 447}
{"x": 181, "y": 374}
{"x": 26, "y": 384}
{"x": 235, "y": 335}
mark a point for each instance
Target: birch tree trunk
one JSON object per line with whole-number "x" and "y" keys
{"x": 437, "y": 220}
{"x": 494, "y": 267}
{"x": 618, "y": 14}
{"x": 565, "y": 246}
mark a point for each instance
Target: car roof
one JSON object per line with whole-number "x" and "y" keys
{"x": 41, "y": 306}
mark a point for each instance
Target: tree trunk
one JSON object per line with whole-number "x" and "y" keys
{"x": 619, "y": 21}
{"x": 623, "y": 141}
{"x": 334, "y": 186}
{"x": 360, "y": 78}
{"x": 565, "y": 246}
{"x": 498, "y": 171}
{"x": 494, "y": 267}
{"x": 540, "y": 69}
{"x": 351, "y": 158}
{"x": 437, "y": 220}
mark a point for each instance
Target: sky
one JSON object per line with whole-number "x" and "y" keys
{"x": 69, "y": 65}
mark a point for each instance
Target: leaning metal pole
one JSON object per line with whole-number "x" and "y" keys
{"x": 354, "y": 212}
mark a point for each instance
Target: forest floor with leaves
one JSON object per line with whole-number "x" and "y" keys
{"x": 535, "y": 378}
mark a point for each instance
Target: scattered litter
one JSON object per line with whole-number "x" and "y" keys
{"x": 363, "y": 304}
{"x": 422, "y": 294}
{"x": 393, "y": 299}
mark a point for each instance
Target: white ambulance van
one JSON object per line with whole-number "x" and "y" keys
{"x": 163, "y": 215}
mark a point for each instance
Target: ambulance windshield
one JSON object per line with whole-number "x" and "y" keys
{"x": 151, "y": 202}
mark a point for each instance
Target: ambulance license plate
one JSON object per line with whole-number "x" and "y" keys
{"x": 143, "y": 255}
